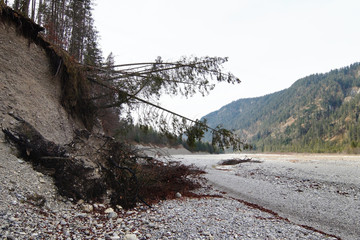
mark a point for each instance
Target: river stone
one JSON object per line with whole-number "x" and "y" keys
{"x": 112, "y": 215}
{"x": 130, "y": 237}
{"x": 109, "y": 210}
{"x": 87, "y": 207}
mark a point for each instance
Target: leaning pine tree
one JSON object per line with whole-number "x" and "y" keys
{"x": 138, "y": 86}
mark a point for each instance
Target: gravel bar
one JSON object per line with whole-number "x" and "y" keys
{"x": 30, "y": 208}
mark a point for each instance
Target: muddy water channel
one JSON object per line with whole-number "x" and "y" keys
{"x": 320, "y": 191}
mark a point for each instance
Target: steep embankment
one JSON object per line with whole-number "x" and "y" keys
{"x": 29, "y": 89}
{"x": 319, "y": 113}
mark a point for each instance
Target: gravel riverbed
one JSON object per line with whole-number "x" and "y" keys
{"x": 317, "y": 190}
{"x": 30, "y": 208}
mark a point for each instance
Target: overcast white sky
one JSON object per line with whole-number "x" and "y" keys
{"x": 270, "y": 44}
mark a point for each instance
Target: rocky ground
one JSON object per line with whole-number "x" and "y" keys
{"x": 30, "y": 208}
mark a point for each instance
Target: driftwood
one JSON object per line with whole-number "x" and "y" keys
{"x": 235, "y": 161}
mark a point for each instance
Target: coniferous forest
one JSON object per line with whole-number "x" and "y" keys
{"x": 318, "y": 113}
{"x": 67, "y": 24}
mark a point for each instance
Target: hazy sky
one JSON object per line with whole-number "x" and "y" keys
{"x": 270, "y": 43}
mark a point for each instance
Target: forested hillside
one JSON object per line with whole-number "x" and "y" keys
{"x": 318, "y": 113}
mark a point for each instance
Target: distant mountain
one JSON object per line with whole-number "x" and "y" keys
{"x": 318, "y": 113}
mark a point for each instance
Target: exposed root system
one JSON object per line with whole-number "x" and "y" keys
{"x": 97, "y": 168}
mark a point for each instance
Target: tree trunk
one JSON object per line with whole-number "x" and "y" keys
{"x": 24, "y": 7}
{"x": 33, "y": 5}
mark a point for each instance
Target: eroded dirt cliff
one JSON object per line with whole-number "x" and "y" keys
{"x": 29, "y": 89}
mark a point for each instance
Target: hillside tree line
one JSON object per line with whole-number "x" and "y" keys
{"x": 68, "y": 24}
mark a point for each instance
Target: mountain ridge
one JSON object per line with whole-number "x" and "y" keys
{"x": 317, "y": 113}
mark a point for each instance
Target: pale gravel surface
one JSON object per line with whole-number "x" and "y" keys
{"x": 321, "y": 191}
{"x": 184, "y": 218}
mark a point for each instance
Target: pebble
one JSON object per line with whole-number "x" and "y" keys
{"x": 115, "y": 236}
{"x": 109, "y": 210}
{"x": 21, "y": 161}
{"x": 112, "y": 215}
{"x": 87, "y": 207}
{"x": 130, "y": 237}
